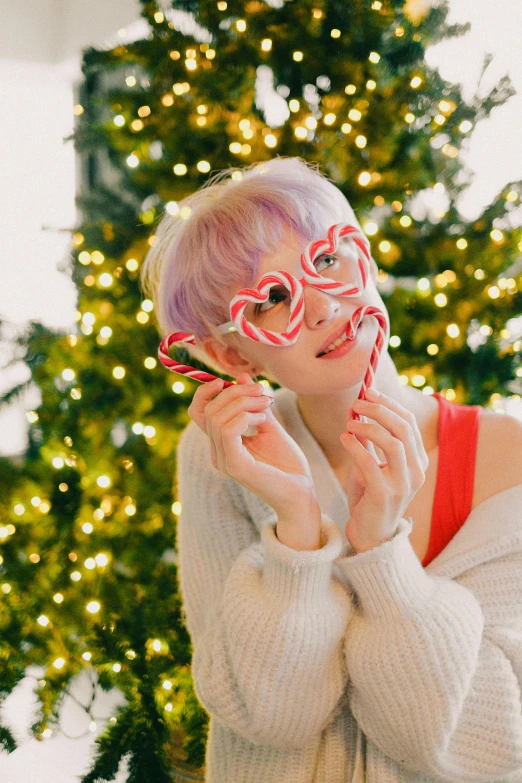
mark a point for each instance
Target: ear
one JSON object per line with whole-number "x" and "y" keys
{"x": 226, "y": 356}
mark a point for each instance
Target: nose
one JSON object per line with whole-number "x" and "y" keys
{"x": 319, "y": 306}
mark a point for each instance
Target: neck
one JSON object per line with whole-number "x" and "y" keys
{"x": 326, "y": 415}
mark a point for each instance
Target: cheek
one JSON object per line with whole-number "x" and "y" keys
{"x": 288, "y": 363}
{"x": 281, "y": 362}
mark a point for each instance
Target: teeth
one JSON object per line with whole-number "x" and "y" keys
{"x": 336, "y": 343}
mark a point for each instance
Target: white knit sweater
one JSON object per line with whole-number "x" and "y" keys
{"x": 328, "y": 667}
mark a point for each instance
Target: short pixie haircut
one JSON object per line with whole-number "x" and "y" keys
{"x": 214, "y": 242}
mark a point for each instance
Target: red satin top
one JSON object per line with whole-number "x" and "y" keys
{"x": 458, "y": 433}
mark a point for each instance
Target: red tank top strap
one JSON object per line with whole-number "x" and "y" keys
{"x": 458, "y": 433}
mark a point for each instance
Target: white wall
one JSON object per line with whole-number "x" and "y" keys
{"x": 36, "y": 204}
{"x": 51, "y": 31}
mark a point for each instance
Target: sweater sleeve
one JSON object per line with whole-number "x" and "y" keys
{"x": 436, "y": 664}
{"x": 266, "y": 621}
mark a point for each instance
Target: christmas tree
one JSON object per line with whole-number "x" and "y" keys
{"x": 88, "y": 516}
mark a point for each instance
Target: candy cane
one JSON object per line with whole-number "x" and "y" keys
{"x": 310, "y": 277}
{"x": 355, "y": 320}
{"x": 329, "y": 245}
{"x": 261, "y": 294}
{"x": 184, "y": 369}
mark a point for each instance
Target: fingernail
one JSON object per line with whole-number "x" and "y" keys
{"x": 272, "y": 400}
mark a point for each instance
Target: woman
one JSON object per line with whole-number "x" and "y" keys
{"x": 342, "y": 630}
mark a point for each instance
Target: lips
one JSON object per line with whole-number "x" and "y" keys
{"x": 333, "y": 337}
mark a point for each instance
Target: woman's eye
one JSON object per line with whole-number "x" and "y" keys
{"x": 324, "y": 258}
{"x": 275, "y": 296}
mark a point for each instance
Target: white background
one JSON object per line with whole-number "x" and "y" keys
{"x": 41, "y": 42}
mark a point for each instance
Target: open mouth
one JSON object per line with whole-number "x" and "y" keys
{"x": 344, "y": 339}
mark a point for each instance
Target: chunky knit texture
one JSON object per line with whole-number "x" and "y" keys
{"x": 327, "y": 666}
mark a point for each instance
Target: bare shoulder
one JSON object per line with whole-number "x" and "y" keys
{"x": 498, "y": 463}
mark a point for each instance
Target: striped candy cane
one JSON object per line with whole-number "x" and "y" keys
{"x": 184, "y": 369}
{"x": 329, "y": 245}
{"x": 355, "y": 320}
{"x": 310, "y": 277}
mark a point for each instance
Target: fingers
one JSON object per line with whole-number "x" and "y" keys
{"x": 202, "y": 404}
{"x": 391, "y": 404}
{"x": 212, "y": 414}
{"x": 244, "y": 386}
{"x": 396, "y": 437}
{"x": 366, "y": 463}
{"x": 200, "y": 400}
{"x": 393, "y": 422}
{"x": 233, "y": 458}
{"x": 231, "y": 422}
{"x": 245, "y": 378}
{"x": 392, "y": 447}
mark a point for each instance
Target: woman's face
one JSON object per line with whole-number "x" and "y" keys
{"x": 297, "y": 366}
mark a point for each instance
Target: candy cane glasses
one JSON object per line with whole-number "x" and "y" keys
{"x": 255, "y": 314}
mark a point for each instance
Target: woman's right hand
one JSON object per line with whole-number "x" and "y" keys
{"x": 270, "y": 464}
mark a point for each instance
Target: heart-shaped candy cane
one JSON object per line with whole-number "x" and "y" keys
{"x": 329, "y": 245}
{"x": 310, "y": 277}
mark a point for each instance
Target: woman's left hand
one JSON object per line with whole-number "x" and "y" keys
{"x": 386, "y": 490}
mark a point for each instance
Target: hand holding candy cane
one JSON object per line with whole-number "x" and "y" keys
{"x": 270, "y": 464}
{"x": 383, "y": 492}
